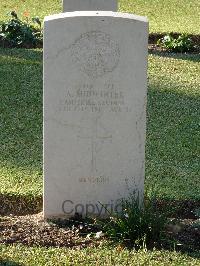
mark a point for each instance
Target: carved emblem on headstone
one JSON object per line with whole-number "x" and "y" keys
{"x": 95, "y": 53}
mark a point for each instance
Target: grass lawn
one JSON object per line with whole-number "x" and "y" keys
{"x": 172, "y": 150}
{"x": 20, "y": 255}
{"x": 21, "y": 121}
{"x": 167, "y": 15}
{"x": 164, "y": 16}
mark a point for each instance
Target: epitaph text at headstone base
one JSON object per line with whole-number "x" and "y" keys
{"x": 89, "y": 5}
{"x": 94, "y": 111}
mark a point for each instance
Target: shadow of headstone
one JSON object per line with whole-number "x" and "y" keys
{"x": 9, "y": 263}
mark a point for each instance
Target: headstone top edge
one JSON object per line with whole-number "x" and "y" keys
{"x": 96, "y": 14}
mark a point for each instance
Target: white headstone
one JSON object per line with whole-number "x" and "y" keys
{"x": 95, "y": 86}
{"x": 89, "y": 5}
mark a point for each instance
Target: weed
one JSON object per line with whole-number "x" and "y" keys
{"x": 18, "y": 33}
{"x": 181, "y": 44}
{"x": 138, "y": 224}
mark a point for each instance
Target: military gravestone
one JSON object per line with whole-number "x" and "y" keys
{"x": 89, "y": 5}
{"x": 95, "y": 86}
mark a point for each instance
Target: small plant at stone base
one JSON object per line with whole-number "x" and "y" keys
{"x": 181, "y": 44}
{"x": 138, "y": 224}
{"x": 18, "y": 33}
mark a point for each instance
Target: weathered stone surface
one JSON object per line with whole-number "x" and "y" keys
{"x": 95, "y": 86}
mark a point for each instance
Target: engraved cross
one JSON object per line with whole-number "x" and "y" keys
{"x": 96, "y": 139}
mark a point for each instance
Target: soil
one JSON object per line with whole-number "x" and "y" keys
{"x": 156, "y": 49}
{"x": 7, "y": 44}
{"x": 185, "y": 233}
{"x": 153, "y": 38}
{"x": 18, "y": 205}
{"x": 33, "y": 230}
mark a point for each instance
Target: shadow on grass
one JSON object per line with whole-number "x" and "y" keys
{"x": 172, "y": 150}
{"x": 26, "y": 54}
{"x": 9, "y": 263}
{"x": 21, "y": 108}
{"x": 190, "y": 57}
{"x": 20, "y": 204}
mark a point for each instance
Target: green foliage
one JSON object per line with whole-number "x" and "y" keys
{"x": 18, "y": 33}
{"x": 137, "y": 224}
{"x": 181, "y": 44}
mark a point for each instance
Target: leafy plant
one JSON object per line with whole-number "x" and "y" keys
{"x": 20, "y": 33}
{"x": 180, "y": 44}
{"x": 138, "y": 224}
